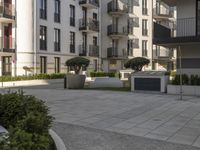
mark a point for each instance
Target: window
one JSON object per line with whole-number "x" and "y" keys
{"x": 144, "y": 27}
{"x": 57, "y": 64}
{"x": 72, "y": 15}
{"x": 144, "y": 7}
{"x": 6, "y": 65}
{"x": 43, "y": 9}
{"x": 57, "y": 39}
{"x": 144, "y": 48}
{"x": 95, "y": 43}
{"x": 95, "y": 16}
{"x": 43, "y": 38}
{"x": 72, "y": 42}
{"x": 130, "y": 47}
{"x": 130, "y": 6}
{"x": 43, "y": 64}
{"x": 57, "y": 11}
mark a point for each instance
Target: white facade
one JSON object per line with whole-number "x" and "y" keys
{"x": 27, "y": 59}
{"x": 141, "y": 12}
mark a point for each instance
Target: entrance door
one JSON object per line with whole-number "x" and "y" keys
{"x": 6, "y": 65}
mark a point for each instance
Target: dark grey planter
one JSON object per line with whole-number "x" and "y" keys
{"x": 75, "y": 81}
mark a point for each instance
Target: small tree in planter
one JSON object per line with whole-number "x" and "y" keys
{"x": 77, "y": 64}
{"x": 137, "y": 63}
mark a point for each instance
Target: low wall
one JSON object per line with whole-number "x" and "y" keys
{"x": 187, "y": 90}
{"x": 30, "y": 83}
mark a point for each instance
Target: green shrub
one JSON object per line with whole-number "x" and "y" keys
{"x": 137, "y": 63}
{"x": 102, "y": 74}
{"x": 32, "y": 77}
{"x": 186, "y": 80}
{"x": 78, "y": 63}
{"x": 27, "y": 121}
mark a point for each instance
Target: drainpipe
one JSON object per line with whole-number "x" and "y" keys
{"x": 181, "y": 79}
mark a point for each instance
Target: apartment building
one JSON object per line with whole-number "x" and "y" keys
{"x": 127, "y": 32}
{"x": 186, "y": 39}
{"x": 43, "y": 34}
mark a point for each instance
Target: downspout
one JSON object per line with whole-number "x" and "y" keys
{"x": 34, "y": 36}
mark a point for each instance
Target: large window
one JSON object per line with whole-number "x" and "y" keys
{"x": 144, "y": 48}
{"x": 198, "y": 17}
{"x": 43, "y": 9}
{"x": 43, "y": 38}
{"x": 43, "y": 64}
{"x": 57, "y": 64}
{"x": 56, "y": 39}
{"x": 72, "y": 15}
{"x": 144, "y": 27}
{"x": 57, "y": 11}
{"x": 72, "y": 42}
{"x": 144, "y": 7}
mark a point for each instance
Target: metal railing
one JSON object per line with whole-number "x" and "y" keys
{"x": 166, "y": 53}
{"x": 57, "y": 17}
{"x": 114, "y": 30}
{"x": 112, "y": 52}
{"x": 57, "y": 46}
{"x": 82, "y": 50}
{"x": 72, "y": 21}
{"x": 7, "y": 44}
{"x": 116, "y": 6}
{"x": 92, "y": 2}
{"x": 163, "y": 12}
{"x": 89, "y": 24}
{"x": 7, "y": 10}
{"x": 93, "y": 50}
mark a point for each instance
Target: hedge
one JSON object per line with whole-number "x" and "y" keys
{"x": 103, "y": 74}
{"x": 32, "y": 77}
{"x": 27, "y": 120}
{"x": 186, "y": 80}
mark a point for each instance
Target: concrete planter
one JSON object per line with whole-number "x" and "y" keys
{"x": 75, "y": 81}
{"x": 187, "y": 90}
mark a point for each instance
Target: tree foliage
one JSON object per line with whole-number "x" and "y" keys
{"x": 77, "y": 63}
{"x": 137, "y": 63}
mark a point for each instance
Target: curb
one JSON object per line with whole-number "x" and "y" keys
{"x": 58, "y": 141}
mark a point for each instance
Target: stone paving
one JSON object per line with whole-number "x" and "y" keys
{"x": 153, "y": 116}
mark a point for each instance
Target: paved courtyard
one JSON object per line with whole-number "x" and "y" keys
{"x": 151, "y": 116}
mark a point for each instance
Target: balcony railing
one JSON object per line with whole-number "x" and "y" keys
{"x": 117, "y": 8}
{"x": 43, "y": 44}
{"x": 7, "y": 10}
{"x": 57, "y": 17}
{"x": 113, "y": 53}
{"x": 57, "y": 46}
{"x": 114, "y": 31}
{"x": 72, "y": 48}
{"x": 89, "y": 25}
{"x": 72, "y": 21}
{"x": 145, "y": 11}
{"x": 7, "y": 44}
{"x": 90, "y": 2}
{"x": 163, "y": 12}
{"x": 162, "y": 53}
{"x": 82, "y": 50}
{"x": 43, "y": 14}
{"x": 93, "y": 50}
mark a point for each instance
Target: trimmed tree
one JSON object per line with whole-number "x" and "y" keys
{"x": 137, "y": 63}
{"x": 77, "y": 63}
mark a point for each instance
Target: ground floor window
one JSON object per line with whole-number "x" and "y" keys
{"x": 43, "y": 64}
{"x": 6, "y": 65}
{"x": 57, "y": 64}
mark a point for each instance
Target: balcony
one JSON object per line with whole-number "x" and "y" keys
{"x": 89, "y": 25}
{"x": 117, "y": 8}
{"x": 7, "y": 44}
{"x": 163, "y": 13}
{"x": 186, "y": 32}
{"x": 94, "y": 51}
{"x": 91, "y": 4}
{"x": 7, "y": 12}
{"x": 113, "y": 53}
{"x": 162, "y": 54}
{"x": 82, "y": 50}
{"x": 116, "y": 33}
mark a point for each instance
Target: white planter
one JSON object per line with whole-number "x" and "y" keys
{"x": 187, "y": 90}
